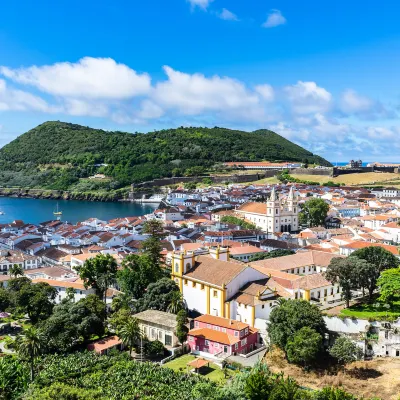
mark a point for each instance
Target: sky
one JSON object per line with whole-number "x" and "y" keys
{"x": 324, "y": 74}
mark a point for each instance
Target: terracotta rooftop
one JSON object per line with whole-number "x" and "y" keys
{"x": 214, "y": 336}
{"x": 300, "y": 259}
{"x": 216, "y": 272}
{"x": 103, "y": 344}
{"x": 222, "y": 322}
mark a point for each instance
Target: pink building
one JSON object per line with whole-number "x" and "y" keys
{"x": 217, "y": 335}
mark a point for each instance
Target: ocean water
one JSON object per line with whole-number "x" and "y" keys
{"x": 38, "y": 210}
{"x": 365, "y": 163}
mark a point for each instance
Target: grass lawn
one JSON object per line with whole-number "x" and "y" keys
{"x": 367, "y": 311}
{"x": 213, "y": 372}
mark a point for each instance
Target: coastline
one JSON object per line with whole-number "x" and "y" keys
{"x": 62, "y": 195}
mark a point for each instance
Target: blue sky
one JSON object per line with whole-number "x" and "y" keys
{"x": 321, "y": 73}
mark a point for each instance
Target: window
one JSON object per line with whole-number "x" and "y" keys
{"x": 168, "y": 340}
{"x": 243, "y": 342}
{"x": 160, "y": 336}
{"x": 207, "y": 343}
{"x": 191, "y": 338}
{"x": 245, "y": 306}
{"x": 236, "y": 346}
{"x": 202, "y": 287}
{"x": 177, "y": 267}
{"x": 216, "y": 345}
{"x": 262, "y": 306}
{"x": 236, "y": 333}
{"x": 154, "y": 333}
{"x": 188, "y": 266}
{"x": 194, "y": 284}
{"x": 196, "y": 324}
{"x": 208, "y": 326}
{"x": 185, "y": 281}
{"x": 246, "y": 331}
{"x": 215, "y": 293}
{"x": 224, "y": 330}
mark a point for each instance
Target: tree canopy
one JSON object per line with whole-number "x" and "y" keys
{"x": 314, "y": 212}
{"x": 137, "y": 272}
{"x": 57, "y": 154}
{"x": 158, "y": 296}
{"x": 99, "y": 273}
{"x": 304, "y": 347}
{"x": 346, "y": 272}
{"x": 289, "y": 317}
{"x": 345, "y": 350}
{"x": 389, "y": 285}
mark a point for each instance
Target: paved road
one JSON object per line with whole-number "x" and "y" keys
{"x": 4, "y": 350}
{"x": 250, "y": 361}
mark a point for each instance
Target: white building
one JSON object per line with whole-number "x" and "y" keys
{"x": 275, "y": 215}
{"x": 8, "y": 258}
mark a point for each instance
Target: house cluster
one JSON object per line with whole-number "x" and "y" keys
{"x": 216, "y": 261}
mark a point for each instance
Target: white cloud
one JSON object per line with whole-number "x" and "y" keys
{"x": 376, "y": 132}
{"x": 275, "y": 18}
{"x": 194, "y": 94}
{"x": 80, "y": 107}
{"x": 265, "y": 91}
{"x": 88, "y": 78}
{"x": 228, "y": 15}
{"x": 150, "y": 110}
{"x": 352, "y": 102}
{"x": 200, "y": 3}
{"x": 18, "y": 100}
{"x": 308, "y": 98}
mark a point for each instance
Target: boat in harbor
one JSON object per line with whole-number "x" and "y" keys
{"x": 57, "y": 211}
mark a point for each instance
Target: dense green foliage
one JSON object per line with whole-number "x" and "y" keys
{"x": 345, "y": 350}
{"x": 136, "y": 274}
{"x": 350, "y": 273}
{"x": 304, "y": 347}
{"x": 314, "y": 212}
{"x": 389, "y": 285}
{"x": 379, "y": 260}
{"x": 13, "y": 377}
{"x": 36, "y": 300}
{"x": 56, "y": 155}
{"x": 73, "y": 323}
{"x": 99, "y": 273}
{"x": 159, "y": 296}
{"x": 228, "y": 219}
{"x": 289, "y": 317}
{"x": 84, "y": 376}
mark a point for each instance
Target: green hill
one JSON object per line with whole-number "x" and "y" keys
{"x": 55, "y": 155}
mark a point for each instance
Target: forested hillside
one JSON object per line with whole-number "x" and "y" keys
{"x": 55, "y": 155}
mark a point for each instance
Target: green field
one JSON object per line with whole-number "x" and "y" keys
{"x": 368, "y": 311}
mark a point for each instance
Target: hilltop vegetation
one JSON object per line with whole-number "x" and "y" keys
{"x": 56, "y": 155}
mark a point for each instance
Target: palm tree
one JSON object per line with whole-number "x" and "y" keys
{"x": 16, "y": 270}
{"x": 177, "y": 303}
{"x": 30, "y": 347}
{"x": 130, "y": 333}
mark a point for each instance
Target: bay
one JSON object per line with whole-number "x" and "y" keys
{"x": 35, "y": 211}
